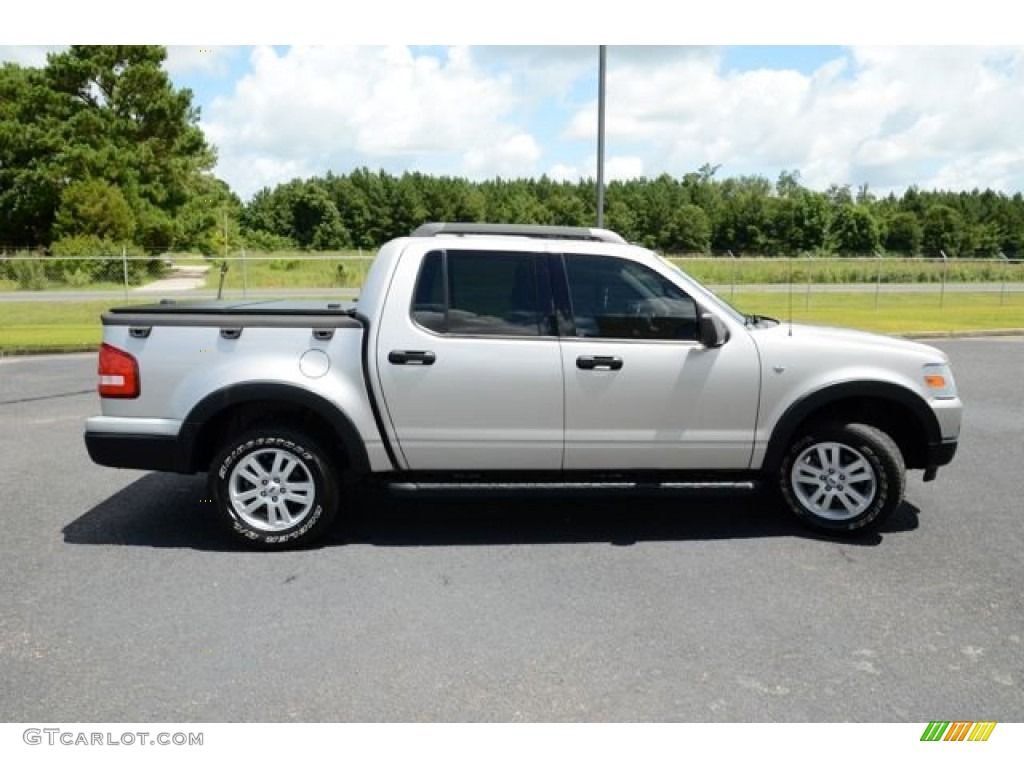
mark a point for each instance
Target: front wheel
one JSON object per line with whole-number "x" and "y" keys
{"x": 274, "y": 488}
{"x": 843, "y": 478}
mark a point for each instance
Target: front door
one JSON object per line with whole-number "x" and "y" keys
{"x": 640, "y": 391}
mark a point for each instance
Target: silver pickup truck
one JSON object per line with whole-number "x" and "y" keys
{"x": 481, "y": 355}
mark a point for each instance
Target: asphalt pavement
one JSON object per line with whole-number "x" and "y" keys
{"x": 122, "y": 601}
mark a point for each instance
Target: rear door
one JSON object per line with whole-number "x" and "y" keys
{"x": 470, "y": 368}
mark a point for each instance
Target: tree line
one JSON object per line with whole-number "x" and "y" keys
{"x": 697, "y": 213}
{"x": 100, "y": 152}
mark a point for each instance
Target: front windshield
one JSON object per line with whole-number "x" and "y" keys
{"x": 735, "y": 313}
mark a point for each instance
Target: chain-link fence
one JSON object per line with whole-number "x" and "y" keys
{"x": 54, "y": 303}
{"x": 804, "y": 280}
{"x": 810, "y": 279}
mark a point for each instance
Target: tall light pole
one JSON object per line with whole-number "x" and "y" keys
{"x": 600, "y": 133}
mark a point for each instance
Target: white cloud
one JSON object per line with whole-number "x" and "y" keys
{"x": 562, "y": 172}
{"x": 28, "y": 55}
{"x": 998, "y": 170}
{"x": 185, "y": 59}
{"x": 329, "y": 108}
{"x": 515, "y": 157}
{"x": 888, "y": 116}
{"x": 879, "y": 115}
{"x": 544, "y": 71}
{"x": 623, "y": 168}
{"x": 619, "y": 168}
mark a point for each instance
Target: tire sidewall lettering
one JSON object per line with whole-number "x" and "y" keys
{"x": 859, "y": 438}
{"x": 318, "y": 468}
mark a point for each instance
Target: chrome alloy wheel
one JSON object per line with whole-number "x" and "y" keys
{"x": 833, "y": 481}
{"x": 272, "y": 489}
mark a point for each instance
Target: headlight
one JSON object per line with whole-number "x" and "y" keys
{"x": 938, "y": 380}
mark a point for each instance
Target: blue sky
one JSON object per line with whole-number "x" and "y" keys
{"x": 936, "y": 116}
{"x": 889, "y": 117}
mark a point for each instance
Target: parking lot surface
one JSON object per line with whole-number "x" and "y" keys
{"x": 122, "y": 600}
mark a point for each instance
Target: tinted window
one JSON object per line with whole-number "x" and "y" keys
{"x": 429, "y": 305}
{"x": 478, "y": 293}
{"x": 618, "y": 299}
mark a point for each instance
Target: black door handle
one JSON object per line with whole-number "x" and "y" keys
{"x": 600, "y": 361}
{"x": 410, "y": 357}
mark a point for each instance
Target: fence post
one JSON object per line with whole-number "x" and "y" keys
{"x": 124, "y": 265}
{"x": 807, "y": 293}
{"x": 732, "y": 286}
{"x": 245, "y": 275}
{"x": 878, "y": 279}
{"x": 1005, "y": 269}
{"x": 223, "y": 274}
{"x": 790, "y": 281}
{"x": 945, "y": 268}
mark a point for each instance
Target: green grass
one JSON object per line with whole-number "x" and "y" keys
{"x": 305, "y": 270}
{"x": 64, "y": 287}
{"x": 289, "y": 270}
{"x": 64, "y": 324}
{"x": 325, "y": 270}
{"x": 298, "y": 269}
{"x": 746, "y": 271}
{"x": 6, "y": 284}
{"x": 53, "y": 325}
{"x": 893, "y": 313}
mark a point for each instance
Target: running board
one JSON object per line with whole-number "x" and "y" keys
{"x": 623, "y": 487}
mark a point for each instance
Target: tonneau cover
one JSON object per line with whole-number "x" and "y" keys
{"x": 240, "y": 307}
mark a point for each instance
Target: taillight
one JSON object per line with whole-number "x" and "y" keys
{"x": 119, "y": 373}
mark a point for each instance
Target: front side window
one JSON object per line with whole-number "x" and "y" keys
{"x": 478, "y": 293}
{"x": 618, "y": 299}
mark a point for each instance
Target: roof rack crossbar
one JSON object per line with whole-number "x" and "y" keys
{"x": 520, "y": 230}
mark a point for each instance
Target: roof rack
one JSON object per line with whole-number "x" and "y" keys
{"x": 520, "y": 230}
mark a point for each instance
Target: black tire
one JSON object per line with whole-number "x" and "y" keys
{"x": 843, "y": 478}
{"x": 256, "y": 503}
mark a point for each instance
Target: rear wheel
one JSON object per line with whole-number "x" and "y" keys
{"x": 274, "y": 488}
{"x": 843, "y": 478}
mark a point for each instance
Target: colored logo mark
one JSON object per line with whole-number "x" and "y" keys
{"x": 960, "y": 731}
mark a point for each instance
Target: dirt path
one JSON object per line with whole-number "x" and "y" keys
{"x": 183, "y": 278}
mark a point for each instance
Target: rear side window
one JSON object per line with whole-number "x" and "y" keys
{"x": 430, "y": 299}
{"x": 618, "y": 299}
{"x": 479, "y": 293}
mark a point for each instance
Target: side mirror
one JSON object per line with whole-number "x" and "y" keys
{"x": 712, "y": 332}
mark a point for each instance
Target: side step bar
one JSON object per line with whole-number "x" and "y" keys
{"x": 623, "y": 487}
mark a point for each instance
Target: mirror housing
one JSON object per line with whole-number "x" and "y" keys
{"x": 712, "y": 332}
